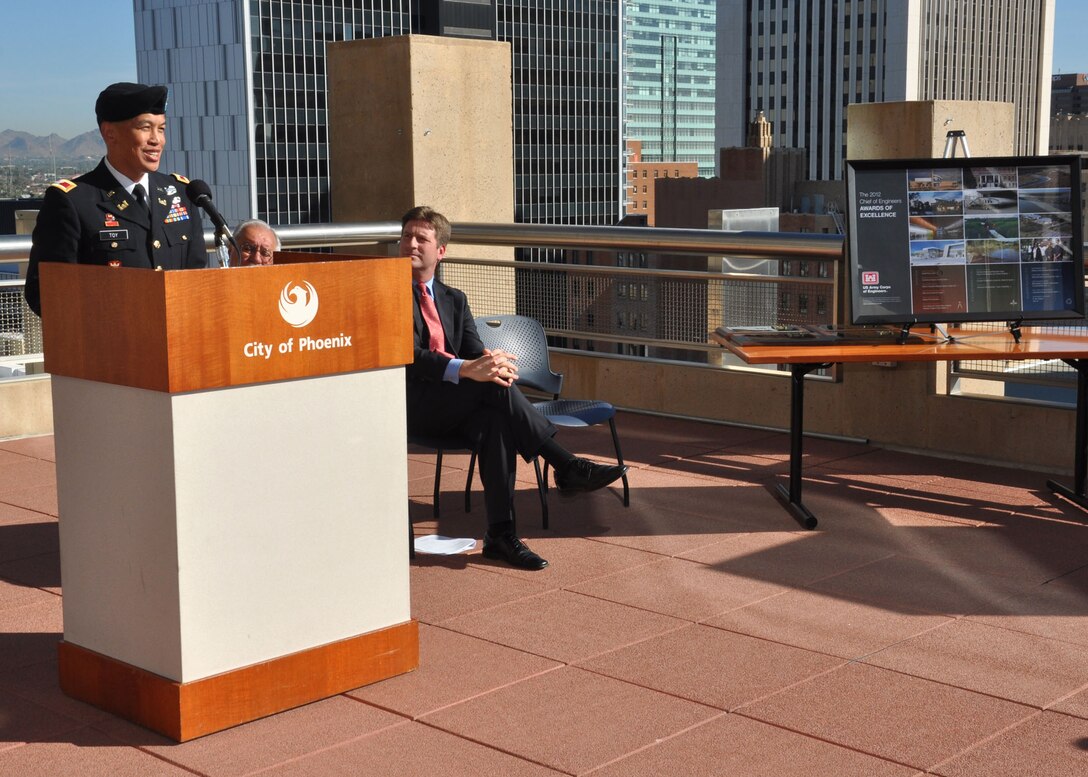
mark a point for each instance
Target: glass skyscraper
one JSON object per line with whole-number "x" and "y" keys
{"x": 567, "y": 112}
{"x": 248, "y": 96}
{"x": 668, "y": 74}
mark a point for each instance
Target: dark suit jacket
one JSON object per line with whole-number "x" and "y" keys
{"x": 460, "y": 330}
{"x": 438, "y": 408}
{"x": 91, "y": 220}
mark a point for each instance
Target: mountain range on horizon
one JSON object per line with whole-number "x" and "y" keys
{"x": 16, "y": 145}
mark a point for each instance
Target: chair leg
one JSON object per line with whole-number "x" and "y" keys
{"x": 437, "y": 483}
{"x": 468, "y": 482}
{"x": 411, "y": 534}
{"x": 619, "y": 458}
{"x": 542, "y": 489}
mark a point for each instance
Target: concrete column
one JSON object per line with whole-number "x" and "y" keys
{"x": 918, "y": 129}
{"x": 424, "y": 120}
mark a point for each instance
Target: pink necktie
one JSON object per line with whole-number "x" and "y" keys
{"x": 430, "y": 316}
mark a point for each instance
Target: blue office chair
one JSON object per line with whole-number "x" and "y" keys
{"x": 524, "y": 337}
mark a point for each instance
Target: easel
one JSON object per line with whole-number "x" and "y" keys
{"x": 951, "y": 139}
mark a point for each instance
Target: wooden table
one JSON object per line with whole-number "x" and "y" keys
{"x": 803, "y": 359}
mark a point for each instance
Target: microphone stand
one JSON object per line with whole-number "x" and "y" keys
{"x": 222, "y": 253}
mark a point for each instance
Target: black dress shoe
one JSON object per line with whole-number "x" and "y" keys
{"x": 507, "y": 547}
{"x": 583, "y": 475}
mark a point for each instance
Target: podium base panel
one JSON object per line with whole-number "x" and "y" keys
{"x": 184, "y": 711}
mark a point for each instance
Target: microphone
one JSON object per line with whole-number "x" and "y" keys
{"x": 201, "y": 194}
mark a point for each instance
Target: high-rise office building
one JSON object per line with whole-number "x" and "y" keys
{"x": 802, "y": 63}
{"x": 567, "y": 109}
{"x": 1069, "y": 94}
{"x": 668, "y": 80}
{"x": 248, "y": 95}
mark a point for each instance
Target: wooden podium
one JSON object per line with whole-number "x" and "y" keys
{"x": 232, "y": 485}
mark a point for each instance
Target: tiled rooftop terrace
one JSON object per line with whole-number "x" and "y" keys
{"x": 936, "y": 622}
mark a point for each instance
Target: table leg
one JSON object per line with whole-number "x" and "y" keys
{"x": 1077, "y": 495}
{"x": 792, "y": 496}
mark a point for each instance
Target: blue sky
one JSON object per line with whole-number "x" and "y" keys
{"x": 56, "y": 55}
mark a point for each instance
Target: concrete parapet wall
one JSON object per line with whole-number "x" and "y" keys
{"x": 423, "y": 120}
{"x": 28, "y": 407}
{"x": 889, "y": 406}
{"x": 893, "y": 407}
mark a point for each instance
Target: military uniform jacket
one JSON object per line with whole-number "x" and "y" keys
{"x": 92, "y": 220}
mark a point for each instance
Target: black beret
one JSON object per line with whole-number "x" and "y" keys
{"x": 118, "y": 102}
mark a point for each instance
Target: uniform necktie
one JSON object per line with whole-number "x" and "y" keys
{"x": 434, "y": 324}
{"x": 141, "y": 198}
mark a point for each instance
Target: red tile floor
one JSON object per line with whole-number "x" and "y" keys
{"x": 935, "y": 623}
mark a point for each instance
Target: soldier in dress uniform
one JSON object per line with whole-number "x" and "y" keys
{"x": 124, "y": 213}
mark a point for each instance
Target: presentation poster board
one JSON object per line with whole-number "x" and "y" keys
{"x": 970, "y": 239}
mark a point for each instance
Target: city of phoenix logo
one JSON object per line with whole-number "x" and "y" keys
{"x": 298, "y": 305}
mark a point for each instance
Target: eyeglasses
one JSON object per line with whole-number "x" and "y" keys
{"x": 249, "y": 248}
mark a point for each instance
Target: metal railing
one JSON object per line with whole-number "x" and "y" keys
{"x": 636, "y": 292}
{"x": 632, "y": 292}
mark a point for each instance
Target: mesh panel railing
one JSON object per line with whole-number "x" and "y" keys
{"x": 1042, "y": 371}
{"x": 638, "y": 312}
{"x": 20, "y": 331}
{"x": 663, "y": 312}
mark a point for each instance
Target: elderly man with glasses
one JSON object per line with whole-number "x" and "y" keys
{"x": 257, "y": 241}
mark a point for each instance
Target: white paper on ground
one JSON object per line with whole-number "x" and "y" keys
{"x": 438, "y": 545}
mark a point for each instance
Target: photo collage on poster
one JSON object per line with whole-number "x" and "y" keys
{"x": 989, "y": 239}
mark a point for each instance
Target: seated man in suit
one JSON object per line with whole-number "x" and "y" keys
{"x": 456, "y": 386}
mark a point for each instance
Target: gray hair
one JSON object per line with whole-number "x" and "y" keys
{"x": 259, "y": 225}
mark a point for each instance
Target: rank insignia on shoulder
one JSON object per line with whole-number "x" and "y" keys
{"x": 180, "y": 177}
{"x": 64, "y": 185}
